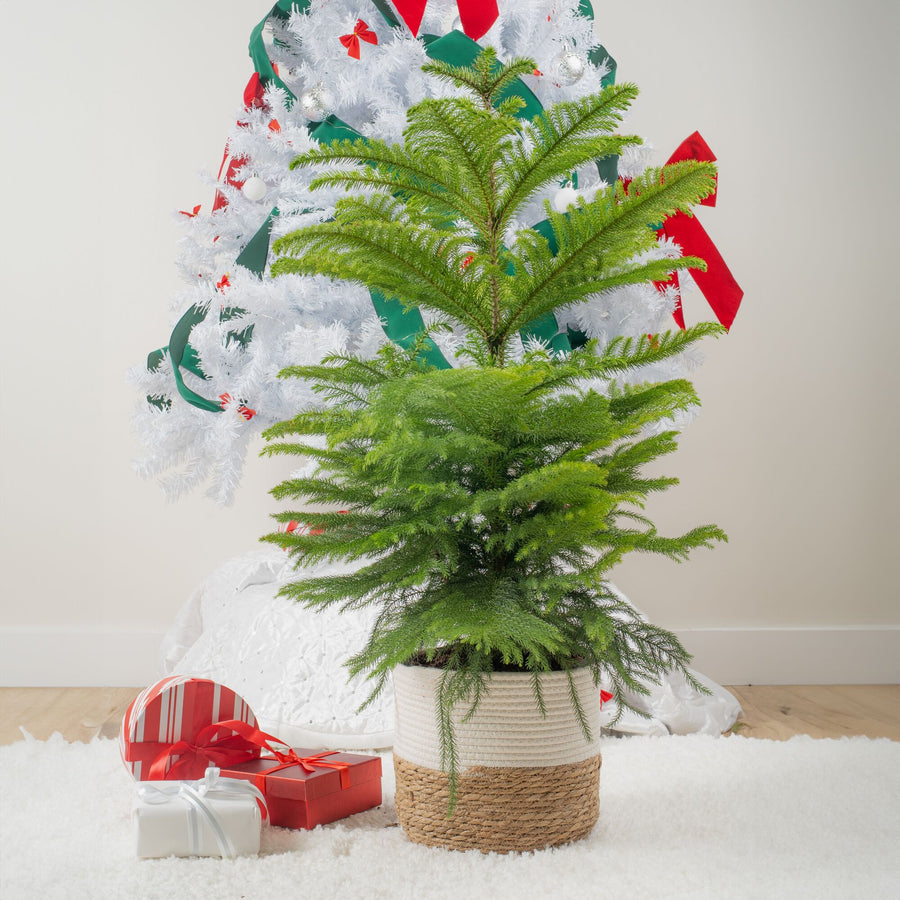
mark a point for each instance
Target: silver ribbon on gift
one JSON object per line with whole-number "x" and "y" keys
{"x": 193, "y": 793}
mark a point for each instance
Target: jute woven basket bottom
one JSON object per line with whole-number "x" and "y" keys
{"x": 499, "y": 809}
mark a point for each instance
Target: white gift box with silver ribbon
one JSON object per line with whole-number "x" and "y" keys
{"x": 211, "y": 817}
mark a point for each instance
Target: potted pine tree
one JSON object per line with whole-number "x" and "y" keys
{"x": 482, "y": 507}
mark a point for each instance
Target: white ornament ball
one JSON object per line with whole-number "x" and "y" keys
{"x": 317, "y": 103}
{"x": 568, "y": 67}
{"x": 255, "y": 188}
{"x": 564, "y": 198}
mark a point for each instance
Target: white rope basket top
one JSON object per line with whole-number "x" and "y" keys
{"x": 507, "y": 730}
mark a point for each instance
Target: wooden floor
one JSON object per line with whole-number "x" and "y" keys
{"x": 79, "y": 714}
{"x": 821, "y": 711}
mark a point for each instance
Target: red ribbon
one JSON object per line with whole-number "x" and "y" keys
{"x": 476, "y": 16}
{"x": 307, "y": 763}
{"x": 605, "y": 697}
{"x": 255, "y": 92}
{"x": 717, "y": 284}
{"x": 207, "y": 749}
{"x": 351, "y": 41}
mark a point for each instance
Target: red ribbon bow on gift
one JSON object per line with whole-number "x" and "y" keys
{"x": 476, "y": 16}
{"x": 717, "y": 284}
{"x": 361, "y": 31}
{"x": 183, "y": 760}
{"x": 307, "y": 763}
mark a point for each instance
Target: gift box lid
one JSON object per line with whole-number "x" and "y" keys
{"x": 330, "y": 772}
{"x": 177, "y": 709}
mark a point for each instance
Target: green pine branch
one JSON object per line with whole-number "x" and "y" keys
{"x": 561, "y": 139}
{"x": 430, "y": 230}
{"x": 598, "y": 241}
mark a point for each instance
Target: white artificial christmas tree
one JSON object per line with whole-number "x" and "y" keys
{"x": 325, "y": 69}
{"x": 323, "y": 65}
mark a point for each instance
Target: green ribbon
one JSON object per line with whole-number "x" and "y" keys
{"x": 253, "y": 257}
{"x": 387, "y": 13}
{"x": 261, "y": 62}
{"x": 402, "y": 325}
{"x": 183, "y": 356}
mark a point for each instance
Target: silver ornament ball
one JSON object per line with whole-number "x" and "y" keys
{"x": 569, "y": 67}
{"x": 317, "y": 103}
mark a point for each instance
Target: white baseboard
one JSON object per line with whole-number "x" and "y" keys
{"x": 98, "y": 658}
{"x": 864, "y": 655}
{"x": 78, "y": 657}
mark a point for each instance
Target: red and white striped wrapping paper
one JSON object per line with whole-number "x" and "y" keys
{"x": 175, "y": 709}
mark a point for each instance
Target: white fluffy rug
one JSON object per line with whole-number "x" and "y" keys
{"x": 695, "y": 817}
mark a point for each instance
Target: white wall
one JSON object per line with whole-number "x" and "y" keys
{"x": 795, "y": 452}
{"x": 111, "y": 109}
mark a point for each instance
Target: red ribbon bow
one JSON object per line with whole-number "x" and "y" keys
{"x": 351, "y": 41}
{"x": 476, "y": 16}
{"x": 244, "y": 410}
{"x": 717, "y": 284}
{"x": 307, "y": 763}
{"x": 186, "y": 760}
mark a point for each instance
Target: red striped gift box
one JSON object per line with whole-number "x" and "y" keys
{"x": 176, "y": 709}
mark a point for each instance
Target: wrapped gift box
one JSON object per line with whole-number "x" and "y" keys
{"x": 172, "y": 714}
{"x": 305, "y": 788}
{"x": 212, "y": 817}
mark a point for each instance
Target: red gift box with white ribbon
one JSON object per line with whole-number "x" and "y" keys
{"x": 305, "y": 788}
{"x": 179, "y": 726}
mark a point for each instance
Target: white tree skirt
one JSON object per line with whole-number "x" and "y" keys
{"x": 287, "y": 662}
{"x": 694, "y": 817}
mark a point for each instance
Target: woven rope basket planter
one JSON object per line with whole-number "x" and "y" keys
{"x": 526, "y": 781}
